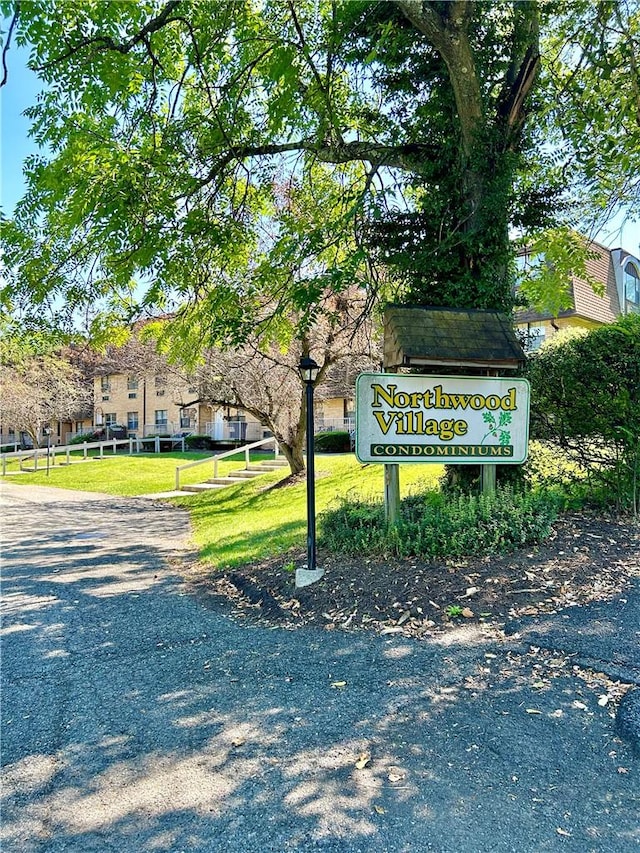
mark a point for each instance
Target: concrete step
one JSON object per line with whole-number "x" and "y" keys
{"x": 264, "y": 467}
{"x": 247, "y": 474}
{"x": 204, "y": 487}
{"x": 226, "y": 481}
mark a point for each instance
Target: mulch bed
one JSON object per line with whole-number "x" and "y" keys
{"x": 586, "y": 558}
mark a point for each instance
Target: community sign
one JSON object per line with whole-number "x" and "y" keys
{"x": 452, "y": 419}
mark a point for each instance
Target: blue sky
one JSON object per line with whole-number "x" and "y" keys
{"x": 21, "y": 92}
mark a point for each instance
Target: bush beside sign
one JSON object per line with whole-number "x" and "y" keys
{"x": 452, "y": 419}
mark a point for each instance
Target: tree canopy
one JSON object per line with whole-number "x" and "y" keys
{"x": 241, "y": 159}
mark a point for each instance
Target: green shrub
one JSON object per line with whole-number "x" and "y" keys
{"x": 86, "y": 437}
{"x": 585, "y": 399}
{"x": 434, "y": 525}
{"x": 198, "y": 442}
{"x": 465, "y": 479}
{"x": 337, "y": 441}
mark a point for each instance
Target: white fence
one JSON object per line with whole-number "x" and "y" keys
{"x": 47, "y": 456}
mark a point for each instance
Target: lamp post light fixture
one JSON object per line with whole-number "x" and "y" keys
{"x": 309, "y": 373}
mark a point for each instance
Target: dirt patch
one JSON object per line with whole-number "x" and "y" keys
{"x": 586, "y": 558}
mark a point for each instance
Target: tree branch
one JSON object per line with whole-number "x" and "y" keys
{"x": 107, "y": 43}
{"x": 7, "y": 45}
{"x": 522, "y": 71}
{"x": 449, "y": 37}
{"x": 408, "y": 157}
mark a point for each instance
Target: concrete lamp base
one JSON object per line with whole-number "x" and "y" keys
{"x": 305, "y": 577}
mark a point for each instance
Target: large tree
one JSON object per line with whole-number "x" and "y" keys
{"x": 176, "y": 132}
{"x": 41, "y": 382}
{"x": 266, "y": 383}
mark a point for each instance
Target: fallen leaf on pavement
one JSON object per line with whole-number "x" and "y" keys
{"x": 363, "y": 759}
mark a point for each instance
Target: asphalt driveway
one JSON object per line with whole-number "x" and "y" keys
{"x": 136, "y": 719}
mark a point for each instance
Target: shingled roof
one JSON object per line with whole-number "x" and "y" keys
{"x": 447, "y": 337}
{"x": 586, "y": 304}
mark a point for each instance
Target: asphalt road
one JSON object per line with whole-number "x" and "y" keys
{"x": 135, "y": 719}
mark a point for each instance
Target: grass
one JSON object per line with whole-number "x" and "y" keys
{"x": 249, "y": 522}
{"x": 242, "y": 523}
{"x": 128, "y": 475}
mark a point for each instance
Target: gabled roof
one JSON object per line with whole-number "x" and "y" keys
{"x": 448, "y": 337}
{"x": 586, "y": 304}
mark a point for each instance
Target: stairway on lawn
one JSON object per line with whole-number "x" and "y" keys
{"x": 235, "y": 477}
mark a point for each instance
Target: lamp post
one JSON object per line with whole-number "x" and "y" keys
{"x": 309, "y": 373}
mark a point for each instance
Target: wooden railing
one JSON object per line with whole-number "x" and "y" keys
{"x": 246, "y": 449}
{"x": 38, "y": 454}
{"x": 41, "y": 454}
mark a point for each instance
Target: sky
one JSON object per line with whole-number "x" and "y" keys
{"x": 15, "y": 145}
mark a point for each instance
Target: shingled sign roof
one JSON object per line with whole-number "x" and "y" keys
{"x": 446, "y": 337}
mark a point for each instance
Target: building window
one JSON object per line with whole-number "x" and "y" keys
{"x": 187, "y": 418}
{"x": 132, "y": 395}
{"x": 132, "y": 383}
{"x": 110, "y": 419}
{"x": 105, "y": 385}
{"x": 161, "y": 417}
{"x": 631, "y": 288}
{"x": 531, "y": 337}
{"x": 132, "y": 420}
{"x": 160, "y": 393}
{"x": 526, "y": 264}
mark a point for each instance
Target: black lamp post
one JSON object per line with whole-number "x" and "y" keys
{"x": 309, "y": 372}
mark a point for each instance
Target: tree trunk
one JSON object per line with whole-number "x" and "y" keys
{"x": 294, "y": 456}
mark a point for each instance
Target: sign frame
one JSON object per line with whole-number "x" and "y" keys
{"x": 436, "y": 414}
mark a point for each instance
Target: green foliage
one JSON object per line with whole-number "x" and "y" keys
{"x": 198, "y": 442}
{"x": 466, "y": 479}
{"x": 555, "y": 255}
{"x": 433, "y": 525}
{"x": 453, "y": 611}
{"x": 86, "y": 438}
{"x": 336, "y": 441}
{"x": 234, "y": 162}
{"x": 21, "y": 343}
{"x": 590, "y": 92}
{"x": 586, "y": 400}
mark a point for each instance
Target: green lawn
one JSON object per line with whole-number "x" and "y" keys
{"x": 240, "y": 523}
{"x": 248, "y": 522}
{"x": 140, "y": 474}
